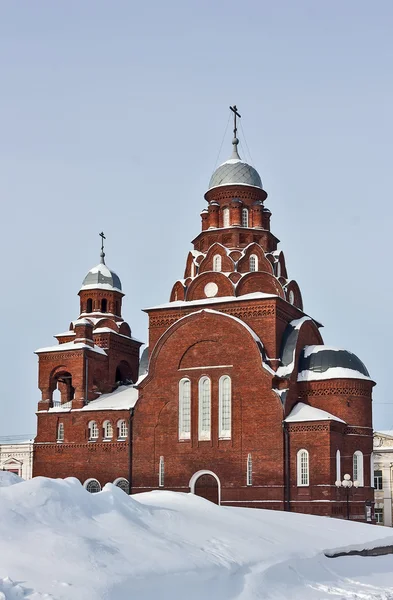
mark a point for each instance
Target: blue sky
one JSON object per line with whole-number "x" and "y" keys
{"x": 112, "y": 116}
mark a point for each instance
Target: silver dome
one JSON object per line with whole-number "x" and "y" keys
{"x": 235, "y": 171}
{"x": 100, "y": 277}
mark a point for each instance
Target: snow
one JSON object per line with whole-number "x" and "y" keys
{"x": 388, "y": 432}
{"x": 83, "y": 322}
{"x": 124, "y": 398}
{"x": 58, "y": 542}
{"x": 308, "y": 350}
{"x": 100, "y": 286}
{"x": 7, "y": 479}
{"x": 66, "y": 333}
{"x": 304, "y": 412}
{"x": 332, "y": 373}
{"x": 185, "y": 303}
{"x": 70, "y": 346}
{"x": 286, "y": 370}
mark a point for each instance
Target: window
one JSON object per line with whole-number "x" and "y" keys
{"x": 378, "y": 480}
{"x": 303, "y": 475}
{"x": 225, "y": 217}
{"x": 291, "y": 297}
{"x": 224, "y": 407}
{"x": 117, "y": 308}
{"x": 192, "y": 269}
{"x": 184, "y": 409}
{"x": 217, "y": 263}
{"x": 92, "y": 486}
{"x": 93, "y": 430}
{"x": 204, "y": 408}
{"x": 249, "y": 470}
{"x": 60, "y": 432}
{"x": 253, "y": 262}
{"x": 89, "y": 305}
{"x": 278, "y": 269}
{"x": 338, "y": 466}
{"x": 123, "y": 484}
{"x": 161, "y": 472}
{"x": 245, "y": 217}
{"x": 108, "y": 430}
{"x": 104, "y": 305}
{"x": 379, "y": 516}
{"x": 122, "y": 429}
{"x": 358, "y": 468}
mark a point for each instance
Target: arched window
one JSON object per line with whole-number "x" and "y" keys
{"x": 249, "y": 469}
{"x": 244, "y": 217}
{"x": 224, "y": 407}
{"x": 92, "y": 485}
{"x": 123, "y": 484}
{"x": 60, "y": 432}
{"x": 225, "y": 217}
{"x": 204, "y": 409}
{"x": 253, "y": 262}
{"x": 117, "y": 308}
{"x": 108, "y": 430}
{"x": 161, "y": 472}
{"x": 122, "y": 429}
{"x": 303, "y": 470}
{"x": 278, "y": 270}
{"x": 104, "y": 305}
{"x": 93, "y": 430}
{"x": 192, "y": 269}
{"x": 217, "y": 263}
{"x": 338, "y": 465}
{"x": 184, "y": 409}
{"x": 291, "y": 297}
{"x": 89, "y": 305}
{"x": 358, "y": 468}
{"x": 56, "y": 397}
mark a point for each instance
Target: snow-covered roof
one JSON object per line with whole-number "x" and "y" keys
{"x": 71, "y": 346}
{"x": 102, "y": 278}
{"x": 216, "y": 300}
{"x": 109, "y": 330}
{"x": 124, "y": 398}
{"x": 388, "y": 432}
{"x": 65, "y": 334}
{"x": 332, "y": 373}
{"x": 304, "y": 412}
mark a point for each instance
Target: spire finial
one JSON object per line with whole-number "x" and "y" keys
{"x": 102, "y": 236}
{"x": 235, "y": 140}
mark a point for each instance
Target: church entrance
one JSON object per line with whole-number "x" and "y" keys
{"x": 206, "y": 484}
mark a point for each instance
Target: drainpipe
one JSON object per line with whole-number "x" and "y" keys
{"x": 287, "y": 474}
{"x": 130, "y": 449}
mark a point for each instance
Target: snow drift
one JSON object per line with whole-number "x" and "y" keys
{"x": 59, "y": 542}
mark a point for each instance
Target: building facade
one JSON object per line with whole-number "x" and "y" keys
{"x": 16, "y": 456}
{"x": 383, "y": 477}
{"x": 237, "y": 398}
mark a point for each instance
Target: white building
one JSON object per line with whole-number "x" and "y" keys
{"x": 383, "y": 474}
{"x": 16, "y": 455}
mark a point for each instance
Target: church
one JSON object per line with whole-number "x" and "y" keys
{"x": 236, "y": 398}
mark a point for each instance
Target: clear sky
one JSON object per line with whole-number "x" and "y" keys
{"x": 112, "y": 116}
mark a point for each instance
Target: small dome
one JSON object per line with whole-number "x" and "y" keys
{"x": 235, "y": 171}
{"x": 102, "y": 278}
{"x": 320, "y": 359}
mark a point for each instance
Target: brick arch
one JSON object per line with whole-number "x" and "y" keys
{"x": 196, "y": 291}
{"x": 202, "y": 351}
{"x": 259, "y": 281}
{"x": 125, "y": 329}
{"x": 263, "y": 263}
{"x": 292, "y": 286}
{"x": 107, "y": 323}
{"x": 207, "y": 263}
{"x": 178, "y": 292}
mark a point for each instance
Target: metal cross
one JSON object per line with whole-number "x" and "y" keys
{"x": 102, "y": 240}
{"x": 235, "y": 115}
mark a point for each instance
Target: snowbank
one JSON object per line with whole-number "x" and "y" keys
{"x": 57, "y": 541}
{"x": 6, "y": 479}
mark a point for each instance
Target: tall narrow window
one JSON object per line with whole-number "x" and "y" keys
{"x": 249, "y": 469}
{"x": 192, "y": 269}
{"x": 104, "y": 305}
{"x": 225, "y": 217}
{"x": 358, "y": 468}
{"x": 161, "y": 472}
{"x": 338, "y": 465}
{"x": 204, "y": 408}
{"x": 60, "y": 432}
{"x": 291, "y": 297}
{"x": 303, "y": 473}
{"x": 278, "y": 269}
{"x": 253, "y": 262}
{"x": 217, "y": 263}
{"x": 89, "y": 305}
{"x": 377, "y": 480}
{"x": 184, "y": 409}
{"x": 224, "y": 407}
{"x": 93, "y": 430}
{"x": 122, "y": 429}
{"x": 108, "y": 430}
{"x": 245, "y": 217}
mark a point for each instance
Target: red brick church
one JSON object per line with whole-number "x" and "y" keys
{"x": 236, "y": 398}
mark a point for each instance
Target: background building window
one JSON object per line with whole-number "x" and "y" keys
{"x": 224, "y": 407}
{"x": 225, "y": 217}
{"x": 378, "y": 480}
{"x": 245, "y": 217}
{"x": 358, "y": 468}
{"x": 161, "y": 472}
{"x": 92, "y": 485}
{"x": 204, "y": 402}
{"x": 108, "y": 430}
{"x": 303, "y": 473}
{"x": 379, "y": 516}
{"x": 184, "y": 409}
{"x": 217, "y": 263}
{"x": 60, "y": 432}
{"x": 249, "y": 469}
{"x": 93, "y": 430}
{"x": 253, "y": 262}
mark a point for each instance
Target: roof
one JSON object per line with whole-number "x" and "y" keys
{"x": 102, "y": 278}
{"x": 325, "y": 362}
{"x": 123, "y": 398}
{"x": 304, "y": 412}
{"x": 217, "y": 299}
{"x": 71, "y": 346}
{"x": 235, "y": 171}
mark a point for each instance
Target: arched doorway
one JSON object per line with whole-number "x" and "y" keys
{"x": 207, "y": 485}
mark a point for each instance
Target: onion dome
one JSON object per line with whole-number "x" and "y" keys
{"x": 324, "y": 362}
{"x": 101, "y": 278}
{"x": 235, "y": 172}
